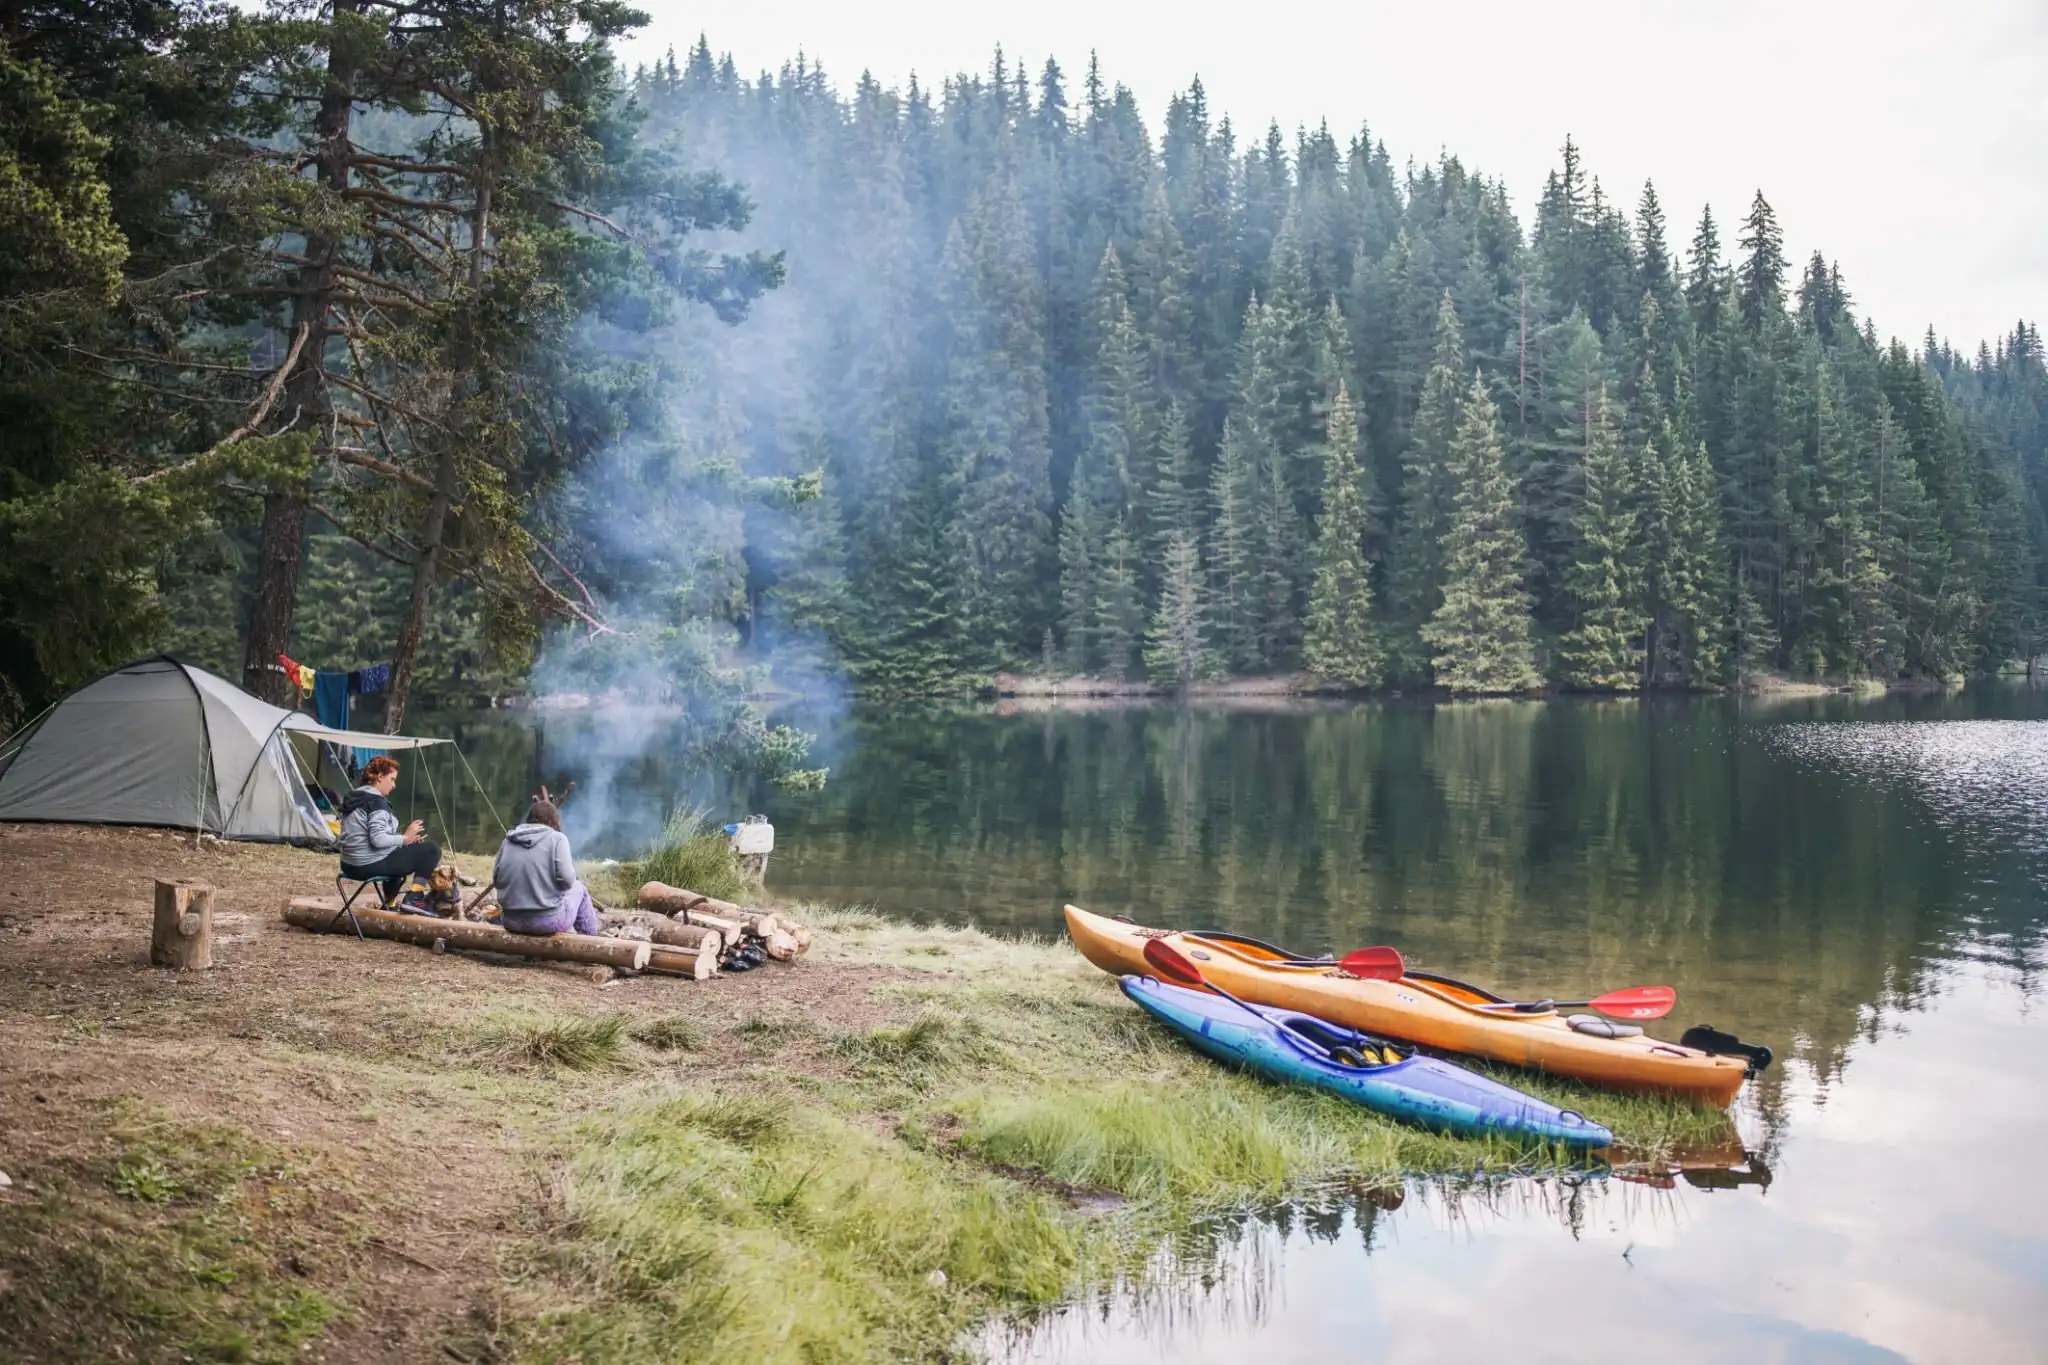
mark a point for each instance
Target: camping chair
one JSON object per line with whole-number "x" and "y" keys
{"x": 342, "y": 882}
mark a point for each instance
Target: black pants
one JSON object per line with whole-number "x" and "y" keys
{"x": 394, "y": 867}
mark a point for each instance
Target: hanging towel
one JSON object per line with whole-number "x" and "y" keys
{"x": 330, "y": 699}
{"x": 373, "y": 679}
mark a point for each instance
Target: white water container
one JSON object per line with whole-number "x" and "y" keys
{"x": 754, "y": 836}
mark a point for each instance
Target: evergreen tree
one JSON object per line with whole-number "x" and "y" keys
{"x": 1176, "y": 647}
{"x": 1482, "y": 631}
{"x": 1081, "y": 583}
{"x": 1760, "y": 288}
{"x": 996, "y": 437}
{"x": 1415, "y": 565}
{"x": 1120, "y": 614}
{"x": 1236, "y": 602}
{"x": 1173, "y": 497}
{"x": 1603, "y": 649}
{"x": 1854, "y": 632}
{"x": 1342, "y": 646}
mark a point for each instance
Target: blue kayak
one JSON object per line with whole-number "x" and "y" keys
{"x": 1387, "y": 1078}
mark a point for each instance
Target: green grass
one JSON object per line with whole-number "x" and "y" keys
{"x": 712, "y": 1227}
{"x": 173, "y": 1245}
{"x": 690, "y": 852}
{"x": 670, "y": 1033}
{"x": 574, "y": 1042}
{"x": 792, "y": 1220}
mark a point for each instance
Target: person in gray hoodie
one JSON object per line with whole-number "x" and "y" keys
{"x": 535, "y": 877}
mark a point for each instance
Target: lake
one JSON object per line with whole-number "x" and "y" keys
{"x": 1860, "y": 884}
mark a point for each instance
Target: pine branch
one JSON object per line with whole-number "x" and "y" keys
{"x": 364, "y": 277}
{"x": 563, "y": 569}
{"x": 407, "y": 167}
{"x": 592, "y": 216}
{"x": 386, "y": 401}
{"x": 367, "y": 194}
{"x": 360, "y": 458}
{"x": 255, "y": 419}
{"x": 596, "y": 626}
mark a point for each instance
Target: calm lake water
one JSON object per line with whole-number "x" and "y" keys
{"x": 1862, "y": 885}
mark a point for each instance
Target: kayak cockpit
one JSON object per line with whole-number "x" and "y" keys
{"x": 1344, "y": 1046}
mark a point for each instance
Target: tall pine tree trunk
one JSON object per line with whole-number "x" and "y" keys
{"x": 425, "y": 571}
{"x": 283, "y": 536}
{"x": 426, "y": 566}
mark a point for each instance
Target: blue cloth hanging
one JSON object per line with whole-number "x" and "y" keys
{"x": 330, "y": 699}
{"x": 371, "y": 680}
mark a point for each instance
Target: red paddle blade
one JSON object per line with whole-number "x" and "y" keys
{"x": 1171, "y": 963}
{"x": 1377, "y": 964}
{"x": 1637, "y": 1002}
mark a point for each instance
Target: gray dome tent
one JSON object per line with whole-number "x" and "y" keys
{"x": 161, "y": 742}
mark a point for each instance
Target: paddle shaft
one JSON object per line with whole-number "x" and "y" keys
{"x": 1171, "y": 962}
{"x": 1257, "y": 1013}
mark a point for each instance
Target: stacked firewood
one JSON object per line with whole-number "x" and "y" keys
{"x": 736, "y": 937}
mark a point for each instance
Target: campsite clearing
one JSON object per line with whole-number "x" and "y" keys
{"x": 333, "y": 1150}
{"x": 314, "y": 1139}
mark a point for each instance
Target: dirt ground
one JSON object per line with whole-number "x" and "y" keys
{"x": 417, "y": 1171}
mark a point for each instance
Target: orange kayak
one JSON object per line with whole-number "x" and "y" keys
{"x": 1432, "y": 1011}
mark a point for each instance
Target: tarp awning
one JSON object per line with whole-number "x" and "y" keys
{"x": 301, "y": 724}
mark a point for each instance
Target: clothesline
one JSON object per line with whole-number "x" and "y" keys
{"x": 331, "y": 691}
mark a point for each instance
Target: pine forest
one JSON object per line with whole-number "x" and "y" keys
{"x": 396, "y": 332}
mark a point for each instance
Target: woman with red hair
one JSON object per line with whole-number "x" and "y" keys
{"x": 373, "y": 848}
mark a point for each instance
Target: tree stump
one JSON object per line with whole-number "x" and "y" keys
{"x": 182, "y": 936}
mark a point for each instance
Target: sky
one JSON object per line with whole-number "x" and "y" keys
{"x": 1906, "y": 140}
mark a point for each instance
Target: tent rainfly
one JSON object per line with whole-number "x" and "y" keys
{"x": 163, "y": 743}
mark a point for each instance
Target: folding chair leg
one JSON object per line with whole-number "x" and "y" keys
{"x": 348, "y": 904}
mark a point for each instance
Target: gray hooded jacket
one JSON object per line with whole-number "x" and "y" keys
{"x": 534, "y": 870}
{"x": 369, "y": 831}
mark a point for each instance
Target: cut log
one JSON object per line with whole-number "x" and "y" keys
{"x": 661, "y": 929}
{"x": 782, "y": 946}
{"x": 699, "y": 963}
{"x": 705, "y": 910}
{"x": 182, "y": 934}
{"x": 323, "y": 915}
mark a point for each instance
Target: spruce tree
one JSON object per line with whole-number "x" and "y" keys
{"x": 1080, "y": 583}
{"x": 1603, "y": 649}
{"x": 1177, "y": 646}
{"x": 1856, "y": 632}
{"x": 1342, "y": 644}
{"x": 1119, "y": 631}
{"x": 1415, "y": 566}
{"x": 1236, "y": 600}
{"x": 1481, "y": 633}
{"x": 1173, "y": 497}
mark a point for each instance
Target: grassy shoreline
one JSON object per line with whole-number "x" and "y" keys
{"x": 1025, "y": 1135}
{"x": 869, "y": 1155}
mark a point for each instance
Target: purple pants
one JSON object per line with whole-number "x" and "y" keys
{"x": 577, "y": 913}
